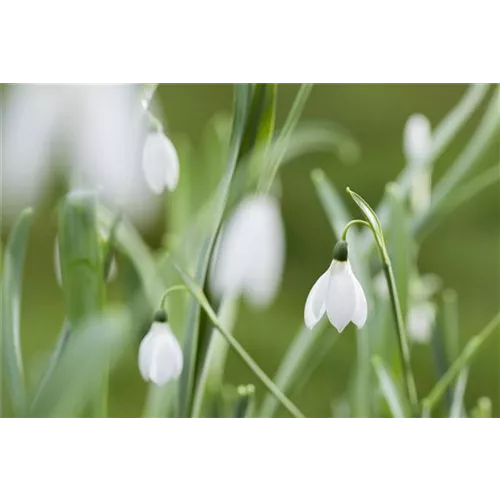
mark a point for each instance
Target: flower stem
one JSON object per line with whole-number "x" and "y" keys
{"x": 404, "y": 349}
{"x": 352, "y": 223}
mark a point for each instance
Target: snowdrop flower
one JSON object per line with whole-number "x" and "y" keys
{"x": 337, "y": 292}
{"x": 160, "y": 163}
{"x": 113, "y": 268}
{"x": 251, "y": 252}
{"x": 420, "y": 321}
{"x": 160, "y": 355}
{"x": 417, "y": 138}
{"x": 94, "y": 126}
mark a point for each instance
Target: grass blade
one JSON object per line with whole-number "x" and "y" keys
{"x": 389, "y": 389}
{"x": 82, "y": 368}
{"x": 10, "y": 338}
{"x": 458, "y": 395}
{"x": 466, "y": 356}
{"x": 81, "y": 257}
{"x": 200, "y": 297}
{"x": 295, "y": 362}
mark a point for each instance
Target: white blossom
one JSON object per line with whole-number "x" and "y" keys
{"x": 338, "y": 293}
{"x": 251, "y": 252}
{"x": 160, "y": 355}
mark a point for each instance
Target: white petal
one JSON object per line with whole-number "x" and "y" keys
{"x": 160, "y": 163}
{"x": 361, "y": 309}
{"x": 160, "y": 355}
{"x": 315, "y": 303}
{"x": 417, "y": 138}
{"x": 251, "y": 254}
{"x": 341, "y": 295}
{"x": 30, "y": 118}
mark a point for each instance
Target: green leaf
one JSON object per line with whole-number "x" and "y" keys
{"x": 81, "y": 256}
{"x": 390, "y": 390}
{"x": 284, "y": 138}
{"x": 245, "y": 401}
{"x": 201, "y": 299}
{"x": 470, "y": 350}
{"x": 10, "y": 339}
{"x": 458, "y": 394}
{"x": 82, "y": 368}
{"x": 191, "y": 330}
{"x": 369, "y": 213}
{"x": 399, "y": 243}
{"x": 298, "y": 363}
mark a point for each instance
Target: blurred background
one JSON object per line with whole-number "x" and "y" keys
{"x": 464, "y": 250}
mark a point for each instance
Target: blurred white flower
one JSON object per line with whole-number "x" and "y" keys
{"x": 420, "y": 322}
{"x": 417, "y": 138}
{"x": 160, "y": 163}
{"x": 160, "y": 355}
{"x": 113, "y": 268}
{"x": 92, "y": 126}
{"x": 339, "y": 293}
{"x": 251, "y": 252}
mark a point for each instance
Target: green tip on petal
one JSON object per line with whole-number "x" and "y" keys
{"x": 160, "y": 316}
{"x": 340, "y": 251}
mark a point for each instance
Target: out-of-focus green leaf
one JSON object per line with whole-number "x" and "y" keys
{"x": 212, "y": 372}
{"x": 399, "y": 243}
{"x": 191, "y": 330}
{"x": 442, "y": 137}
{"x": 390, "y": 390}
{"x": 11, "y": 364}
{"x": 82, "y": 368}
{"x": 81, "y": 256}
{"x": 284, "y": 137}
{"x": 458, "y": 394}
{"x": 295, "y": 363}
{"x": 425, "y": 223}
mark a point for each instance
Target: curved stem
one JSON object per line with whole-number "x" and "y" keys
{"x": 352, "y": 223}
{"x": 168, "y": 291}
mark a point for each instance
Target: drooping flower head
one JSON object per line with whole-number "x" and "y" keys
{"x": 160, "y": 355}
{"x": 251, "y": 252}
{"x": 338, "y": 293}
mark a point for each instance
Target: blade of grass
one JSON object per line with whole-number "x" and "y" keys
{"x": 199, "y": 296}
{"x": 82, "y": 368}
{"x": 458, "y": 394}
{"x": 470, "y": 350}
{"x": 295, "y": 362}
{"x": 389, "y": 389}
{"x": 10, "y": 338}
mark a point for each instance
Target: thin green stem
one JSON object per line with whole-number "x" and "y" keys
{"x": 352, "y": 223}
{"x": 404, "y": 349}
{"x": 168, "y": 291}
{"x": 198, "y": 294}
{"x": 470, "y": 350}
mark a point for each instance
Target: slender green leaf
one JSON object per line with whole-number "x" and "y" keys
{"x": 295, "y": 363}
{"x": 424, "y": 224}
{"x": 191, "y": 331}
{"x": 10, "y": 338}
{"x": 245, "y": 401}
{"x": 458, "y": 394}
{"x": 82, "y": 368}
{"x": 470, "y": 350}
{"x": 200, "y": 297}
{"x": 81, "y": 257}
{"x": 284, "y": 137}
{"x": 389, "y": 389}
{"x": 442, "y": 137}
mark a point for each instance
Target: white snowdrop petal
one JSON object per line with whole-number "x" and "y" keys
{"x": 263, "y": 275}
{"x": 340, "y": 296}
{"x": 315, "y": 303}
{"x": 160, "y": 163}
{"x": 251, "y": 252}
{"x": 417, "y": 137}
{"x": 361, "y": 309}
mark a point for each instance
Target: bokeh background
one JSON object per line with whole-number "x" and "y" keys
{"x": 464, "y": 250}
